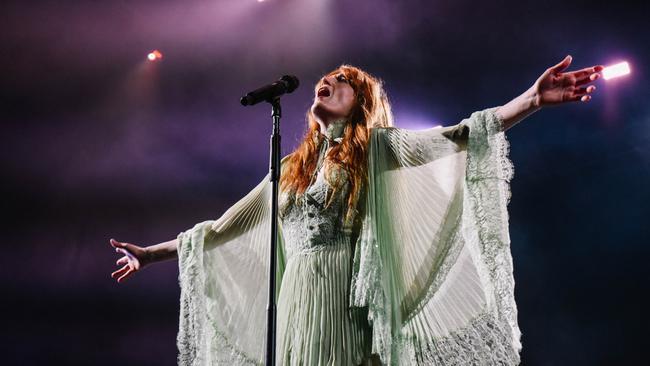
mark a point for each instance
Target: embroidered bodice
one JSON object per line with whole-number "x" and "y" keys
{"x": 315, "y": 219}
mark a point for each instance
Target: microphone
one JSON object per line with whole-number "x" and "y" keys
{"x": 286, "y": 84}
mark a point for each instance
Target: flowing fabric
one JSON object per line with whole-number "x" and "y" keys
{"x": 223, "y": 272}
{"x": 427, "y": 279}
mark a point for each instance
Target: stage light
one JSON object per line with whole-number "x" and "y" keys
{"x": 154, "y": 55}
{"x": 616, "y": 70}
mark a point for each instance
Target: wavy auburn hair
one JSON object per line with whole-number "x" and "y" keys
{"x": 370, "y": 110}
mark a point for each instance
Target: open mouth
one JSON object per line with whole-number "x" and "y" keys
{"x": 323, "y": 92}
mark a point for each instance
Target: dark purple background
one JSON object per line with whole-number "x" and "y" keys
{"x": 98, "y": 143}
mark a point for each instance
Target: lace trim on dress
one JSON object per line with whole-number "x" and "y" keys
{"x": 489, "y": 174}
{"x": 229, "y": 354}
{"x": 482, "y": 342}
{"x": 192, "y": 318}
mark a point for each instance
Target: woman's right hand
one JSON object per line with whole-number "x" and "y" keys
{"x": 134, "y": 259}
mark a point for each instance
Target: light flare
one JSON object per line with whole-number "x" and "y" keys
{"x": 154, "y": 55}
{"x": 617, "y": 70}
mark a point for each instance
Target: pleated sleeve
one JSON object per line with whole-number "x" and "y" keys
{"x": 223, "y": 276}
{"x": 433, "y": 262}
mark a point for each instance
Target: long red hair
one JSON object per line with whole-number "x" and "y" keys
{"x": 370, "y": 110}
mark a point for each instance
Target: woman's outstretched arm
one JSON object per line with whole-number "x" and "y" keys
{"x": 553, "y": 87}
{"x": 136, "y": 257}
{"x": 242, "y": 217}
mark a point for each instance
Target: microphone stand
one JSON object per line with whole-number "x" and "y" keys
{"x": 274, "y": 170}
{"x": 271, "y": 94}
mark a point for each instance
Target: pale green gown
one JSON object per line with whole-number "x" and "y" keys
{"x": 421, "y": 276}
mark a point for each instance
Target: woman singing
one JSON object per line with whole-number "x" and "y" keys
{"x": 393, "y": 247}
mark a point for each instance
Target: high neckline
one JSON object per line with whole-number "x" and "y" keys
{"x": 334, "y": 131}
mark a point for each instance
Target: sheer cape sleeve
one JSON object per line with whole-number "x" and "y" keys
{"x": 433, "y": 262}
{"x": 223, "y": 275}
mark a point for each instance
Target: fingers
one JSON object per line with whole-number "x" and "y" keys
{"x": 120, "y": 271}
{"x": 124, "y": 272}
{"x": 582, "y": 76}
{"x": 562, "y": 65}
{"x": 584, "y": 90}
{"x": 581, "y": 98}
{"x": 121, "y": 248}
{"x": 586, "y": 75}
{"x": 583, "y": 94}
{"x": 130, "y": 257}
{"x": 130, "y": 263}
{"x": 125, "y": 275}
{"x": 582, "y": 73}
{"x": 117, "y": 244}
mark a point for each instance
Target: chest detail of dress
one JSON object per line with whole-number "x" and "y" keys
{"x": 315, "y": 219}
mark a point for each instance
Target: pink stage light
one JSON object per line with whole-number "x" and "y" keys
{"x": 154, "y": 55}
{"x": 614, "y": 71}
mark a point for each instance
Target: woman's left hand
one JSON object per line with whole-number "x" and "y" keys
{"x": 557, "y": 87}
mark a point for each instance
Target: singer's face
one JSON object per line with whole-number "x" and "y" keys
{"x": 334, "y": 98}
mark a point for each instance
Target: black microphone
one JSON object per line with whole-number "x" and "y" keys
{"x": 286, "y": 84}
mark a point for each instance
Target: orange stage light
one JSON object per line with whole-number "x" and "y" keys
{"x": 154, "y": 55}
